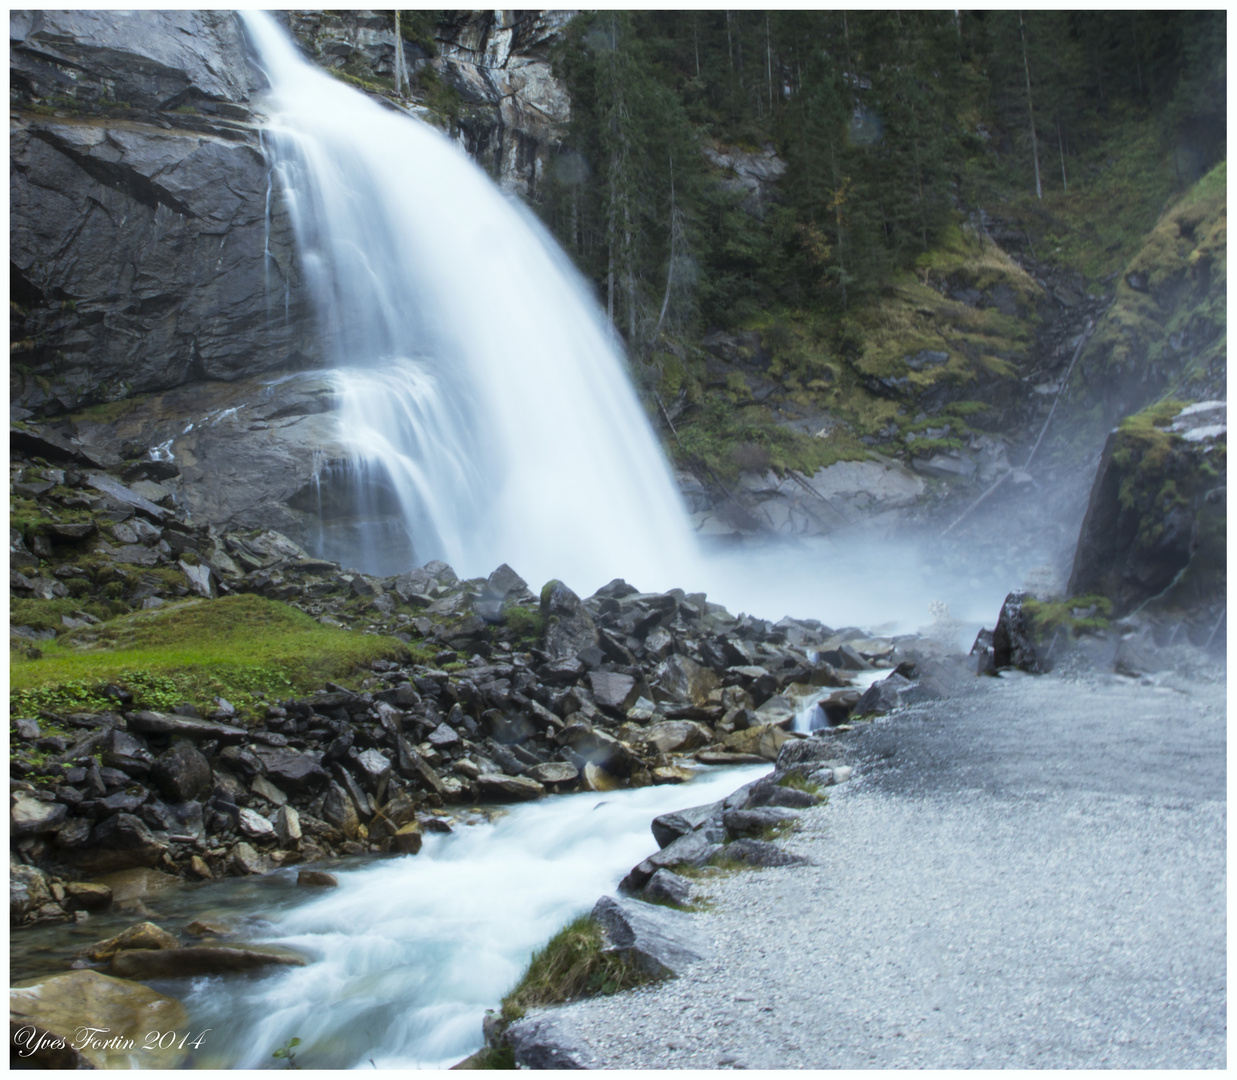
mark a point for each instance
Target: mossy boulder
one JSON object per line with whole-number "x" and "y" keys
{"x": 1156, "y": 523}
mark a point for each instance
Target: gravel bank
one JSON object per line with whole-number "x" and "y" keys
{"x": 1031, "y": 875}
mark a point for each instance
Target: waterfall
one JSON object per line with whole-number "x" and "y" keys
{"x": 482, "y": 395}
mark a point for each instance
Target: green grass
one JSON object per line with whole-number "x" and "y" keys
{"x": 1077, "y": 615}
{"x": 571, "y": 965}
{"x": 799, "y": 782}
{"x": 237, "y": 647}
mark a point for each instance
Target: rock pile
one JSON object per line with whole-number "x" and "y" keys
{"x": 502, "y": 695}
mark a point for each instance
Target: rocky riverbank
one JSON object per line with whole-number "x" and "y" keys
{"x": 490, "y": 693}
{"x": 999, "y": 886}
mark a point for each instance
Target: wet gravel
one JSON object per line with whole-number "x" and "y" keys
{"x": 1030, "y": 875}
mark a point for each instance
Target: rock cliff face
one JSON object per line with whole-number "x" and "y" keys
{"x": 148, "y": 244}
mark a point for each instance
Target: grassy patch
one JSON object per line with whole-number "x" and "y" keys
{"x": 237, "y": 647}
{"x": 799, "y": 782}
{"x": 1077, "y": 615}
{"x": 571, "y": 965}
{"x": 528, "y": 624}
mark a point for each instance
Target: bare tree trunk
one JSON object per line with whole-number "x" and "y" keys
{"x": 769, "y": 62}
{"x": 1061, "y": 148}
{"x": 1039, "y": 187}
{"x": 696, "y": 39}
{"x": 401, "y": 70}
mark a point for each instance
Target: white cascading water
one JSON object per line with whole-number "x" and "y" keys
{"x": 478, "y": 379}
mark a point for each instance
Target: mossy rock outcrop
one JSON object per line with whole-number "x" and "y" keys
{"x": 1156, "y": 523}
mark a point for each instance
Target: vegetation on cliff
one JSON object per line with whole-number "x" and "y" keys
{"x": 826, "y": 179}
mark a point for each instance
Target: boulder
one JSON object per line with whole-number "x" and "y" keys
{"x": 740, "y": 822}
{"x": 243, "y": 859}
{"x": 676, "y": 736}
{"x": 764, "y": 740}
{"x": 137, "y": 884}
{"x": 660, "y": 942}
{"x": 767, "y": 792}
{"x": 569, "y": 629}
{"x": 760, "y": 853}
{"x": 502, "y": 787}
{"x": 182, "y": 773}
{"x": 57, "y": 1008}
{"x": 613, "y": 691}
{"x": 407, "y": 839}
{"x": 86, "y": 896}
{"x": 882, "y": 697}
{"x": 29, "y": 890}
{"x": 669, "y": 827}
{"x": 807, "y": 753}
{"x": 373, "y": 768}
{"x": 666, "y": 887}
{"x": 293, "y": 771}
{"x": 339, "y": 810}
{"x": 195, "y": 960}
{"x": 255, "y": 826}
{"x": 544, "y": 1041}
{"x": 317, "y": 879}
{"x": 554, "y": 772}
{"x": 1014, "y": 640}
{"x": 288, "y": 827}
{"x": 30, "y": 816}
{"x": 599, "y": 779}
{"x": 145, "y": 935}
{"x": 681, "y": 679}
{"x": 118, "y": 843}
{"x": 156, "y": 723}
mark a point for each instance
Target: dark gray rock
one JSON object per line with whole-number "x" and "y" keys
{"x": 660, "y": 942}
{"x": 760, "y": 853}
{"x": 569, "y": 628}
{"x": 544, "y": 1041}
{"x": 739, "y": 822}
{"x": 30, "y": 816}
{"x": 291, "y": 770}
{"x": 806, "y": 753}
{"x": 127, "y": 218}
{"x": 194, "y": 960}
{"x": 154, "y": 723}
{"x": 669, "y": 827}
{"x": 882, "y": 697}
{"x": 1013, "y": 640}
{"x": 150, "y": 59}
{"x": 768, "y": 793}
{"x": 667, "y": 887}
{"x": 119, "y": 842}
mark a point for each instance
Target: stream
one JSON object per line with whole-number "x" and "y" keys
{"x": 408, "y": 952}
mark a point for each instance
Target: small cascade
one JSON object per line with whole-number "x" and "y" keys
{"x": 481, "y": 389}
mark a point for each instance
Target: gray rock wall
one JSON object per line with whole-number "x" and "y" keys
{"x": 143, "y": 253}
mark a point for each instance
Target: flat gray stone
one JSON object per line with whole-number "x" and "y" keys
{"x": 659, "y": 941}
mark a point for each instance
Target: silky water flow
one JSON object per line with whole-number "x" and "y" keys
{"x": 484, "y": 401}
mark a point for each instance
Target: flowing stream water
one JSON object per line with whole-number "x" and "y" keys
{"x": 408, "y": 952}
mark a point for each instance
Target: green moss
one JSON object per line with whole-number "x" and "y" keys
{"x": 1077, "y": 615}
{"x": 236, "y": 647}
{"x": 572, "y": 964}
{"x": 528, "y": 624}
{"x": 799, "y": 782}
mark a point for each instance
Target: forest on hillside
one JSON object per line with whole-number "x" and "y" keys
{"x": 888, "y": 123}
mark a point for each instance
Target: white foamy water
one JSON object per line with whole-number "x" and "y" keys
{"x": 477, "y": 371}
{"x": 409, "y": 952}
